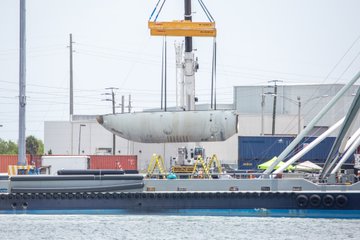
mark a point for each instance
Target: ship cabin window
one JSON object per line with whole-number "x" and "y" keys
{"x": 265, "y": 188}
{"x": 297, "y": 188}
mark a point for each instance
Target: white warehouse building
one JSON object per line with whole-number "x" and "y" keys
{"x": 296, "y": 105}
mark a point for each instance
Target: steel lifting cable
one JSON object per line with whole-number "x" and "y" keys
{"x": 157, "y": 4}
{"x": 162, "y": 75}
{"x": 207, "y": 12}
{"x": 213, "y": 78}
{"x": 162, "y": 5}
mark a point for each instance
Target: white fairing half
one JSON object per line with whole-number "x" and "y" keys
{"x": 182, "y": 126}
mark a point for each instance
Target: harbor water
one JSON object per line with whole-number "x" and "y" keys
{"x": 98, "y": 226}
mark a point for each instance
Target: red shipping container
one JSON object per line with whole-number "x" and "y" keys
{"x": 6, "y": 160}
{"x": 124, "y": 162}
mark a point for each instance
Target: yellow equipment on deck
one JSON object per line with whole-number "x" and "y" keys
{"x": 156, "y": 162}
{"x": 204, "y": 172}
{"x": 215, "y": 160}
{"x": 20, "y": 170}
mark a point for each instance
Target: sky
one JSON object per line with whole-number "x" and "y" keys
{"x": 296, "y": 41}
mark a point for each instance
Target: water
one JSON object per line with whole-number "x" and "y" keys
{"x": 172, "y": 227}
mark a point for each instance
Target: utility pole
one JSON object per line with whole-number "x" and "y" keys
{"x": 274, "y": 105}
{"x": 299, "y": 112}
{"x": 129, "y": 106}
{"x": 113, "y": 110}
{"x": 71, "y": 89}
{"x": 71, "y": 79}
{"x": 22, "y": 86}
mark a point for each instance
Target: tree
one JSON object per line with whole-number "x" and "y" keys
{"x": 8, "y": 147}
{"x": 34, "y": 146}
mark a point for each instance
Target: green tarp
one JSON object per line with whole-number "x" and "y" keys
{"x": 267, "y": 164}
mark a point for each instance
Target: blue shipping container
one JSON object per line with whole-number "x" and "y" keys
{"x": 255, "y": 150}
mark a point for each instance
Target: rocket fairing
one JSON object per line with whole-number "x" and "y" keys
{"x": 164, "y": 127}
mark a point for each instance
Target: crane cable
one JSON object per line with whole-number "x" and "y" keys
{"x": 206, "y": 11}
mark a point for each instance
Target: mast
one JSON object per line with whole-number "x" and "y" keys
{"x": 22, "y": 86}
{"x": 190, "y": 66}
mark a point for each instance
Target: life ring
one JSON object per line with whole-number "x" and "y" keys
{"x": 315, "y": 200}
{"x": 341, "y": 201}
{"x": 2, "y": 197}
{"x": 328, "y": 200}
{"x": 302, "y": 200}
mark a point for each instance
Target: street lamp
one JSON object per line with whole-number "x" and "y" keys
{"x": 81, "y": 125}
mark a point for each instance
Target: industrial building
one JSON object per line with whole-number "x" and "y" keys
{"x": 295, "y": 105}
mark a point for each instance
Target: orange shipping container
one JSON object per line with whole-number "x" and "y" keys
{"x": 124, "y": 162}
{"x": 6, "y": 160}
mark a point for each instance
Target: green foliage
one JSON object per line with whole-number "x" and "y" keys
{"x": 34, "y": 146}
{"x": 8, "y": 147}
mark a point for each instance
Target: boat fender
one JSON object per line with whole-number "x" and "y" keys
{"x": 116, "y": 195}
{"x": 18, "y": 196}
{"x": 218, "y": 195}
{"x": 49, "y": 195}
{"x": 107, "y": 195}
{"x": 70, "y": 196}
{"x": 302, "y": 200}
{"x": 122, "y": 195}
{"x": 2, "y": 197}
{"x": 85, "y": 195}
{"x": 315, "y": 200}
{"x": 137, "y": 195}
{"x": 78, "y": 195}
{"x": 26, "y": 196}
{"x": 25, "y": 205}
{"x": 144, "y": 195}
{"x": 13, "y": 205}
{"x": 188, "y": 195}
{"x": 203, "y": 195}
{"x": 33, "y": 196}
{"x": 151, "y": 195}
{"x": 196, "y": 195}
{"x": 166, "y": 195}
{"x": 55, "y": 196}
{"x": 129, "y": 195}
{"x": 174, "y": 195}
{"x": 63, "y": 196}
{"x": 328, "y": 200}
{"x": 341, "y": 200}
{"x": 181, "y": 195}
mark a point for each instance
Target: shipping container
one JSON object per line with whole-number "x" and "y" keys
{"x": 10, "y": 159}
{"x": 65, "y": 162}
{"x": 124, "y": 162}
{"x": 254, "y": 150}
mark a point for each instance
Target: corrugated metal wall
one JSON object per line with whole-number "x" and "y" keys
{"x": 125, "y": 162}
{"x": 255, "y": 150}
{"x": 6, "y": 160}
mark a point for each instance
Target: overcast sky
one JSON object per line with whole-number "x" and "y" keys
{"x": 297, "y": 41}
